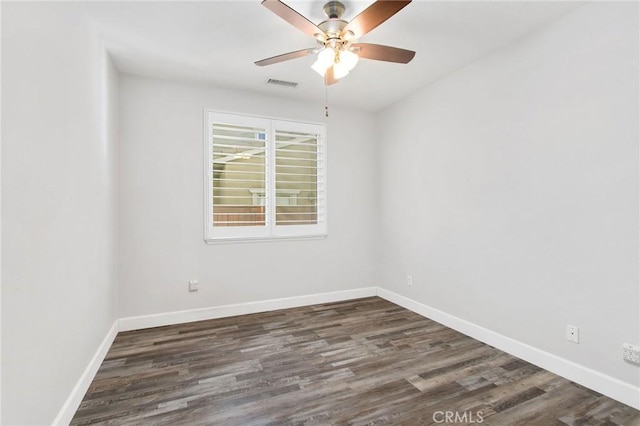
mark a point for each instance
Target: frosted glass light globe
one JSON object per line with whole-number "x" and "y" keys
{"x": 325, "y": 59}
{"x": 340, "y": 70}
{"x": 349, "y": 59}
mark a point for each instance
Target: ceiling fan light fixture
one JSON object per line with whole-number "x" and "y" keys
{"x": 325, "y": 59}
{"x": 340, "y": 70}
{"x": 348, "y": 59}
{"x": 319, "y": 67}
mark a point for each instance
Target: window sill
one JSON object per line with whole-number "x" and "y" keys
{"x": 230, "y": 240}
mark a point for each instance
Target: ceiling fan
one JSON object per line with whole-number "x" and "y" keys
{"x": 337, "y": 50}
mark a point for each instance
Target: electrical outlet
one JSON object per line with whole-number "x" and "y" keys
{"x": 193, "y": 285}
{"x": 409, "y": 280}
{"x": 631, "y": 353}
{"x": 572, "y": 334}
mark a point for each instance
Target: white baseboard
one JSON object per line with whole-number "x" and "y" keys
{"x": 179, "y": 317}
{"x": 72, "y": 403}
{"x": 606, "y": 385}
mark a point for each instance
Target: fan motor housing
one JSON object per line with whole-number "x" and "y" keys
{"x": 332, "y": 27}
{"x": 333, "y": 9}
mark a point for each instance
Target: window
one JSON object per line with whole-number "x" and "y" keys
{"x": 264, "y": 178}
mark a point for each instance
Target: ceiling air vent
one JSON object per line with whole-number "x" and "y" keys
{"x": 282, "y": 83}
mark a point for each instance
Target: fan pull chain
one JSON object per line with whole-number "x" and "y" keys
{"x": 326, "y": 101}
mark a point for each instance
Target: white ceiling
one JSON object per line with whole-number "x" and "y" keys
{"x": 217, "y": 42}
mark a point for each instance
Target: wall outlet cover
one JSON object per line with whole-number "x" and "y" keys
{"x": 573, "y": 334}
{"x": 631, "y": 353}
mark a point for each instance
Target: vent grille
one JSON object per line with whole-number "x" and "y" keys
{"x": 291, "y": 84}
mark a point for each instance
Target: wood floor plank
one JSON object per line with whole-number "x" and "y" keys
{"x": 359, "y": 362}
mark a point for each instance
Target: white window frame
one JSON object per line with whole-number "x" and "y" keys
{"x": 270, "y": 231}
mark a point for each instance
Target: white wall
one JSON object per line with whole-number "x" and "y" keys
{"x": 161, "y": 205}
{"x": 509, "y": 190}
{"x": 0, "y": 225}
{"x": 59, "y": 211}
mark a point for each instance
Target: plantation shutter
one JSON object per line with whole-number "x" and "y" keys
{"x": 265, "y": 178}
{"x": 238, "y": 175}
{"x": 299, "y": 178}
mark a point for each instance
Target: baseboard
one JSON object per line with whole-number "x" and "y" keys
{"x": 179, "y": 317}
{"x": 72, "y": 403}
{"x": 602, "y": 383}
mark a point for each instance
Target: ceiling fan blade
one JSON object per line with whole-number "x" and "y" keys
{"x": 292, "y": 17}
{"x": 373, "y": 16}
{"x": 329, "y": 78}
{"x": 285, "y": 57}
{"x": 384, "y": 53}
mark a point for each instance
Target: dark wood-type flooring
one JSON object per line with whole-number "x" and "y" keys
{"x": 364, "y": 361}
